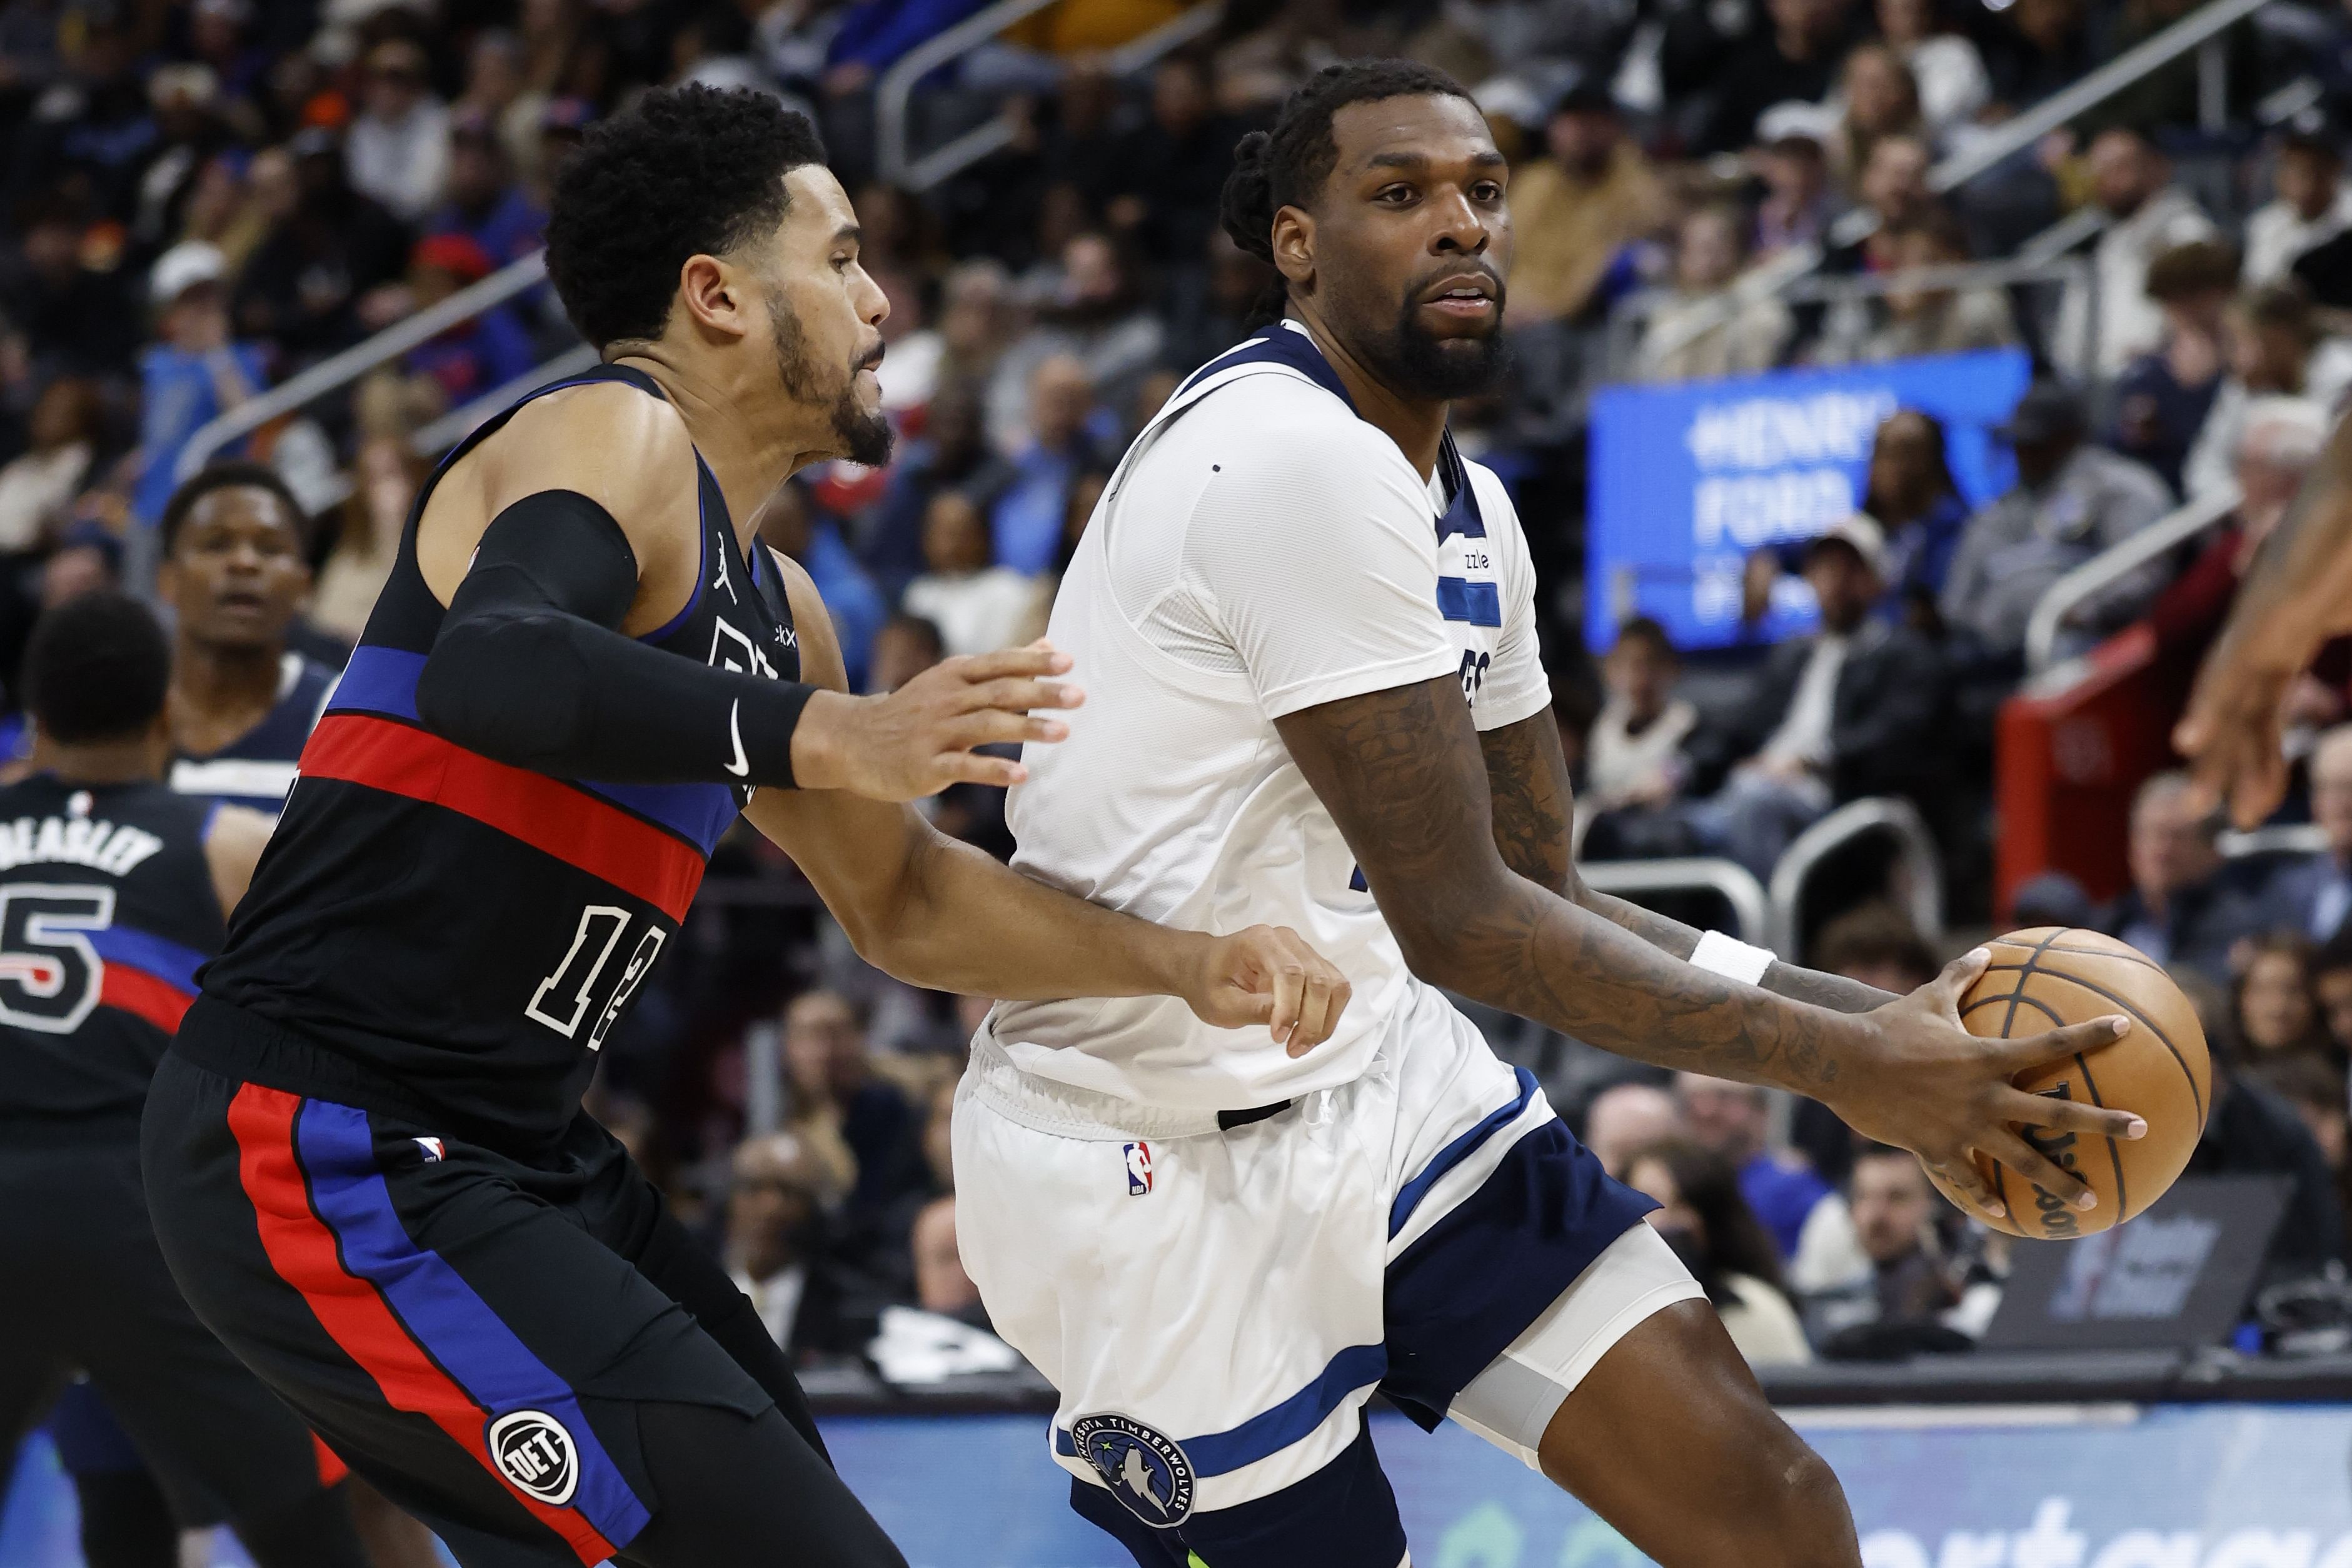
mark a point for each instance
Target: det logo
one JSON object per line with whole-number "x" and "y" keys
{"x": 537, "y": 1455}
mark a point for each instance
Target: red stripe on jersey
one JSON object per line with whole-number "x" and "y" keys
{"x": 142, "y": 995}
{"x": 302, "y": 1251}
{"x": 551, "y": 816}
{"x": 331, "y": 1469}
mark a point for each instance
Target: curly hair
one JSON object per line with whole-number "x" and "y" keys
{"x": 96, "y": 668}
{"x": 687, "y": 171}
{"x": 1287, "y": 167}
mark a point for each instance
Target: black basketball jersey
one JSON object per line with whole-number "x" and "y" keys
{"x": 469, "y": 931}
{"x": 107, "y": 907}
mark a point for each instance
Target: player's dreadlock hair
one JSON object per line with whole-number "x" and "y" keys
{"x": 1287, "y": 167}
{"x": 687, "y": 171}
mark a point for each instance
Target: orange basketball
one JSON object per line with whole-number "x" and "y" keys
{"x": 2050, "y": 976}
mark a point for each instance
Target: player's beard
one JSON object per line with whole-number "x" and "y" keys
{"x": 1419, "y": 364}
{"x": 865, "y": 437}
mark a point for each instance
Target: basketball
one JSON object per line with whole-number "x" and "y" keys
{"x": 2041, "y": 979}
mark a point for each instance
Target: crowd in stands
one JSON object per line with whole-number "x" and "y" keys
{"x": 202, "y": 198}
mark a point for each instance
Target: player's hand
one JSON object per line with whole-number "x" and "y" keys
{"x": 1918, "y": 1080}
{"x": 1268, "y": 975}
{"x": 919, "y": 740}
{"x": 2232, "y": 734}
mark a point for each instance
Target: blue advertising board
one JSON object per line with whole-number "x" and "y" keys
{"x": 1687, "y": 480}
{"x": 2210, "y": 1486}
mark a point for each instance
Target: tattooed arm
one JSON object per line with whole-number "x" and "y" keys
{"x": 1527, "y": 775}
{"x": 1402, "y": 773}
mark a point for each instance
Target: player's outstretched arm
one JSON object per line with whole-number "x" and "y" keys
{"x": 942, "y": 914}
{"x": 1526, "y": 776}
{"x": 1402, "y": 773}
{"x": 2298, "y": 595}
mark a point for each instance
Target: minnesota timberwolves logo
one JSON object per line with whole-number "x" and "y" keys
{"x": 537, "y": 1455}
{"x": 1146, "y": 1471}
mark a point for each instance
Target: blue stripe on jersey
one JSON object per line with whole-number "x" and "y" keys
{"x": 436, "y": 1307}
{"x": 1460, "y": 599}
{"x": 166, "y": 961}
{"x": 1409, "y": 1197}
{"x": 1272, "y": 1431}
{"x": 384, "y": 680}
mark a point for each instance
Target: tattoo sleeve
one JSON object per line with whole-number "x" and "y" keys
{"x": 1526, "y": 778}
{"x": 1402, "y": 774}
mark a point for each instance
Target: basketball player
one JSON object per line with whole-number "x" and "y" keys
{"x": 2298, "y": 595}
{"x": 235, "y": 574}
{"x": 112, "y": 890}
{"x": 365, "y": 1155}
{"x": 1309, "y": 626}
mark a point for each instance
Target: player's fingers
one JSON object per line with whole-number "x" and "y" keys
{"x": 995, "y": 727}
{"x": 1966, "y": 1177}
{"x": 975, "y": 767}
{"x": 1288, "y": 977}
{"x": 1957, "y": 977}
{"x": 2261, "y": 783}
{"x": 1019, "y": 694}
{"x": 2037, "y": 1110}
{"x": 2042, "y": 1170}
{"x": 1037, "y": 659}
{"x": 2014, "y": 1057}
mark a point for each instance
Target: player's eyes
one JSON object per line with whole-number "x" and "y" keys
{"x": 1486, "y": 191}
{"x": 1396, "y": 195}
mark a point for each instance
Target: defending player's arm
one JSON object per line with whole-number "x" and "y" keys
{"x": 939, "y": 913}
{"x": 592, "y": 536}
{"x": 1402, "y": 773}
{"x": 1526, "y": 775}
{"x": 2298, "y": 595}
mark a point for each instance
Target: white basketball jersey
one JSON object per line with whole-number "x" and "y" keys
{"x": 1261, "y": 551}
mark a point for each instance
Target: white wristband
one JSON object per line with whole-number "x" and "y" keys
{"x": 1734, "y": 959}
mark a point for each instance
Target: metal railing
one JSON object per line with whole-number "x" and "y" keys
{"x": 1920, "y": 873}
{"x": 1733, "y": 883}
{"x": 2112, "y": 564}
{"x": 338, "y": 370}
{"x": 894, "y": 95}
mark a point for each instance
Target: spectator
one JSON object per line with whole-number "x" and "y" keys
{"x": 236, "y": 570}
{"x": 1208, "y": 319}
{"x": 777, "y": 1193}
{"x": 2277, "y": 1008}
{"x": 336, "y": 247}
{"x": 837, "y": 1100}
{"x": 1634, "y": 752}
{"x": 1169, "y": 171}
{"x": 1849, "y": 711}
{"x": 1876, "y": 944}
{"x": 232, "y": 200}
{"x": 1729, "y": 1121}
{"x": 2331, "y": 981}
{"x": 2250, "y": 1130}
{"x": 788, "y": 522}
{"x": 2044, "y": 48}
{"x": 1794, "y": 166}
{"x": 1795, "y": 56}
{"x": 484, "y": 202}
{"x": 1935, "y": 320}
{"x": 37, "y": 486}
{"x": 941, "y": 1285}
{"x": 2146, "y": 214}
{"x": 951, "y": 453}
{"x": 1877, "y": 98}
{"x": 2181, "y": 910}
{"x": 1094, "y": 317}
{"x": 1910, "y": 492}
{"x": 1907, "y": 1284}
{"x": 387, "y": 476}
{"x": 1708, "y": 329}
{"x": 2275, "y": 349}
{"x": 2315, "y": 1087}
{"x": 2310, "y": 204}
{"x": 2163, "y": 396}
{"x": 975, "y": 317}
{"x": 1892, "y": 187}
{"x": 1626, "y": 1119}
{"x": 399, "y": 144}
{"x": 477, "y": 357}
{"x": 2071, "y": 500}
{"x": 496, "y": 96}
{"x": 76, "y": 318}
{"x": 977, "y": 607}
{"x": 906, "y": 646}
{"x": 1950, "y": 73}
{"x": 193, "y": 372}
{"x": 1711, "y": 1227}
{"x": 1027, "y": 517}
{"x": 2313, "y": 896}
{"x": 909, "y": 373}
{"x": 1576, "y": 208}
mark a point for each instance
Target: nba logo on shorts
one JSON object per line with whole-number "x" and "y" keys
{"x": 1139, "y": 1168}
{"x": 432, "y": 1148}
{"x": 1145, "y": 1470}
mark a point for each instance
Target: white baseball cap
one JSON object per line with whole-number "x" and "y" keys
{"x": 1861, "y": 532}
{"x": 181, "y": 267}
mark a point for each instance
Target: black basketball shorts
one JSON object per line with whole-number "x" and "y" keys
{"x": 532, "y": 1357}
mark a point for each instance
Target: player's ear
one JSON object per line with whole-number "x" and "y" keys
{"x": 714, "y": 295}
{"x": 1293, "y": 244}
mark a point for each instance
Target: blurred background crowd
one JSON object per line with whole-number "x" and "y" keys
{"x": 201, "y": 200}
